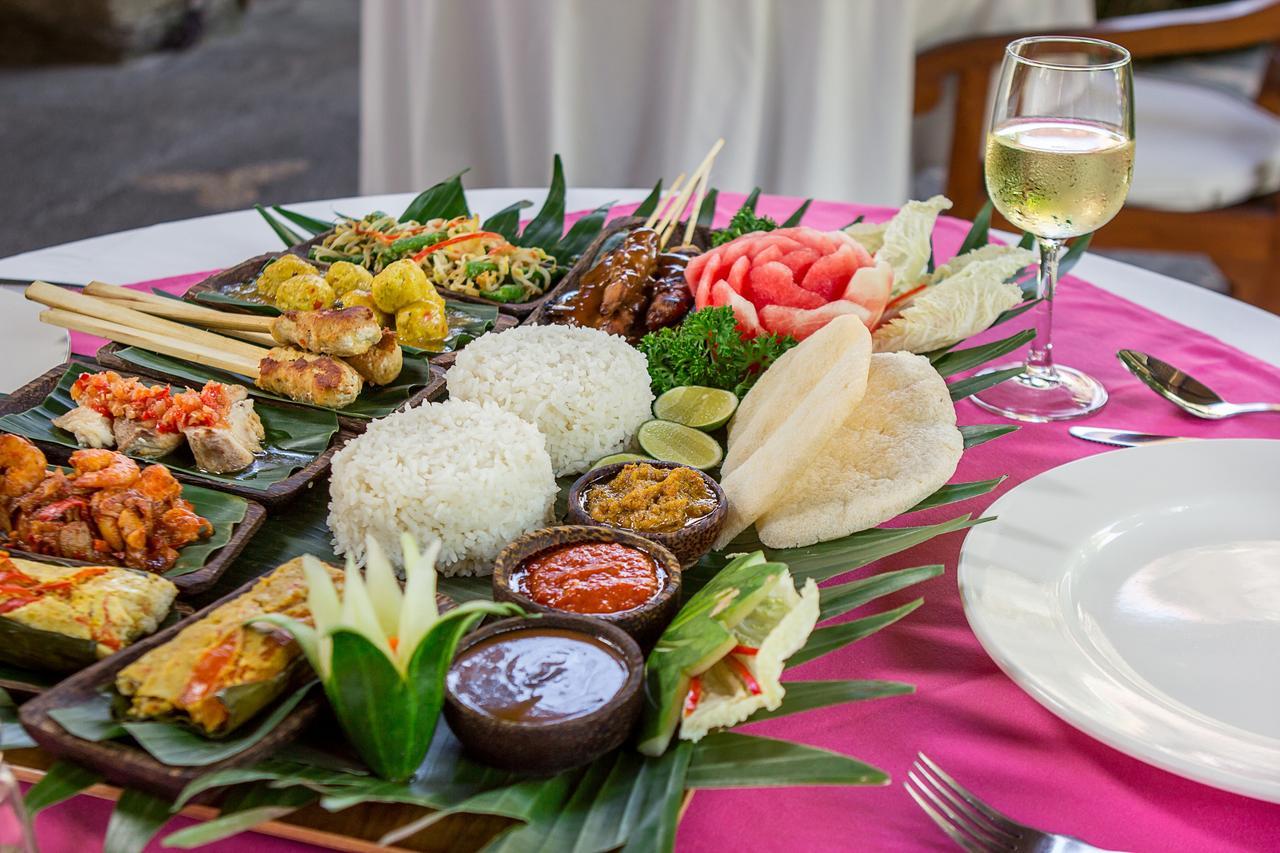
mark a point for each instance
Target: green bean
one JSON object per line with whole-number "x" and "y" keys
{"x": 506, "y": 293}
{"x": 475, "y": 268}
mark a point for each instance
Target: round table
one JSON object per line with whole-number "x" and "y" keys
{"x": 223, "y": 239}
{"x": 965, "y": 711}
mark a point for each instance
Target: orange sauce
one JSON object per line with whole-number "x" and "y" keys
{"x": 589, "y": 578}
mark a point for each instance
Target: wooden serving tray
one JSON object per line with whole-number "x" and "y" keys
{"x": 34, "y": 392}
{"x": 249, "y": 268}
{"x": 539, "y": 316}
{"x": 353, "y": 830}
{"x": 128, "y": 765}
{"x": 108, "y": 357}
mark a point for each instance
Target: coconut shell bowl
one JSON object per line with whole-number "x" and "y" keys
{"x": 548, "y": 746}
{"x": 644, "y": 623}
{"x": 689, "y": 543}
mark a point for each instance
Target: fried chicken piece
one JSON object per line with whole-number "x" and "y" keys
{"x": 382, "y": 363}
{"x": 308, "y": 378}
{"x": 335, "y": 331}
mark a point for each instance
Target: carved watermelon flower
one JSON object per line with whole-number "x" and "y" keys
{"x": 792, "y": 281}
{"x": 382, "y": 653}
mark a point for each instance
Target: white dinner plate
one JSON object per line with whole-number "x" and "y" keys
{"x": 27, "y": 346}
{"x": 1136, "y": 594}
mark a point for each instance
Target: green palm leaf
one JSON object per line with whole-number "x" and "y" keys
{"x": 975, "y": 434}
{"x": 826, "y": 640}
{"x": 735, "y": 760}
{"x": 838, "y": 600}
{"x": 445, "y": 200}
{"x": 809, "y": 695}
{"x": 242, "y": 809}
{"x": 290, "y": 237}
{"x": 306, "y": 223}
{"x": 981, "y": 382}
{"x": 62, "y": 781}
{"x": 135, "y": 819}
{"x": 507, "y": 221}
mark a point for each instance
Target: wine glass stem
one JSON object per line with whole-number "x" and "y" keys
{"x": 1040, "y": 355}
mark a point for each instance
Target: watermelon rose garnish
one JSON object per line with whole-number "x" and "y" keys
{"x": 791, "y": 281}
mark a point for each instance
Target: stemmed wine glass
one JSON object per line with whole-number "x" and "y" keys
{"x": 1058, "y": 164}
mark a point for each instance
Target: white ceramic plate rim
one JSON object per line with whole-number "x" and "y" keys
{"x": 1259, "y": 779}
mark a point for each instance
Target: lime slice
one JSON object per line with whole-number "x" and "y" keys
{"x": 620, "y": 457}
{"x": 696, "y": 406}
{"x": 673, "y": 442}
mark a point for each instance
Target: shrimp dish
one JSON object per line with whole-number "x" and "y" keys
{"x": 105, "y": 510}
{"x": 218, "y": 422}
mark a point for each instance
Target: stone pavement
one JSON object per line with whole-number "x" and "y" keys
{"x": 268, "y": 112}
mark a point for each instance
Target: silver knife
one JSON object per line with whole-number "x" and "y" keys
{"x": 1121, "y": 437}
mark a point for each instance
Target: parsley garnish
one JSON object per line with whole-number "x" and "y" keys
{"x": 707, "y": 349}
{"x": 744, "y": 221}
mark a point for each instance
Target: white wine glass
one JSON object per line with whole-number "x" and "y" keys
{"x": 1058, "y": 165}
{"x": 16, "y": 834}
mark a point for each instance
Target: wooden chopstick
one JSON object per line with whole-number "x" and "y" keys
{"x": 173, "y": 309}
{"x": 185, "y": 350}
{"x": 113, "y": 311}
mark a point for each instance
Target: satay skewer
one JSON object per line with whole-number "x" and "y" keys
{"x": 667, "y": 224}
{"x": 305, "y": 377}
{"x": 697, "y": 208}
{"x": 661, "y": 207}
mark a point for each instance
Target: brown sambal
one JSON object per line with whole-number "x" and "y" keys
{"x": 589, "y": 578}
{"x": 648, "y": 499}
{"x": 538, "y": 675}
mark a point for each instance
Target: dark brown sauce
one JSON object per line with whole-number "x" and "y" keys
{"x": 537, "y": 675}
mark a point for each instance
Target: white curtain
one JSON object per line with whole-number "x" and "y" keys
{"x": 812, "y": 96}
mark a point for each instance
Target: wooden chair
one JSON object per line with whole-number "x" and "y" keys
{"x": 1242, "y": 239}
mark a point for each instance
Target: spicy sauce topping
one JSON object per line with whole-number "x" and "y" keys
{"x": 592, "y": 577}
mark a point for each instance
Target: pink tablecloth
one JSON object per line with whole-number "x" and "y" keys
{"x": 966, "y": 714}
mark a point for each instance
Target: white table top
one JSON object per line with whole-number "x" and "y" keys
{"x": 211, "y": 242}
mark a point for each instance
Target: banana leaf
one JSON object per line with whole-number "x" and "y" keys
{"x": 979, "y": 232}
{"x": 284, "y": 232}
{"x": 507, "y": 221}
{"x": 445, "y": 200}
{"x": 243, "y": 808}
{"x": 44, "y": 651}
{"x": 547, "y": 228}
{"x": 975, "y": 434}
{"x": 294, "y": 438}
{"x": 306, "y": 223}
{"x": 136, "y": 817}
{"x": 374, "y": 402}
{"x": 62, "y": 781}
{"x": 12, "y": 734}
{"x": 794, "y": 219}
{"x": 650, "y": 203}
{"x": 171, "y": 742}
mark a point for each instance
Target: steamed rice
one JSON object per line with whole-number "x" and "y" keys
{"x": 586, "y": 390}
{"x": 471, "y": 475}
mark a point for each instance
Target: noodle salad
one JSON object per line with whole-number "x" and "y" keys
{"x": 454, "y": 253}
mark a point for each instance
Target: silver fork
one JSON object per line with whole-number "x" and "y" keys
{"x": 973, "y": 824}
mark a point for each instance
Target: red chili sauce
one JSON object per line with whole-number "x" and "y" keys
{"x": 589, "y": 578}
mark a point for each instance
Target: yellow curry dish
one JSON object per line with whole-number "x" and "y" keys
{"x": 61, "y": 618}
{"x": 221, "y": 670}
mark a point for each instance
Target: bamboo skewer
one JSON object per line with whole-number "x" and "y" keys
{"x": 698, "y": 196}
{"x": 113, "y": 312}
{"x": 667, "y": 225}
{"x": 173, "y": 309}
{"x": 150, "y": 340}
{"x": 661, "y": 207}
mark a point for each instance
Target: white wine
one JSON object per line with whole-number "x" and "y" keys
{"x": 1058, "y": 178}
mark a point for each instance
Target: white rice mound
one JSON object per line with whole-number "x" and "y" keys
{"x": 587, "y": 391}
{"x": 471, "y": 475}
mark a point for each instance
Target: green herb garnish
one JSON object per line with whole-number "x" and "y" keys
{"x": 744, "y": 221}
{"x": 707, "y": 349}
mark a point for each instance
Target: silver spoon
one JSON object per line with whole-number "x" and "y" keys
{"x": 1184, "y": 391}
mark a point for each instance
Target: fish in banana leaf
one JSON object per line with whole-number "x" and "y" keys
{"x": 220, "y": 671}
{"x": 721, "y": 658}
{"x": 62, "y": 618}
